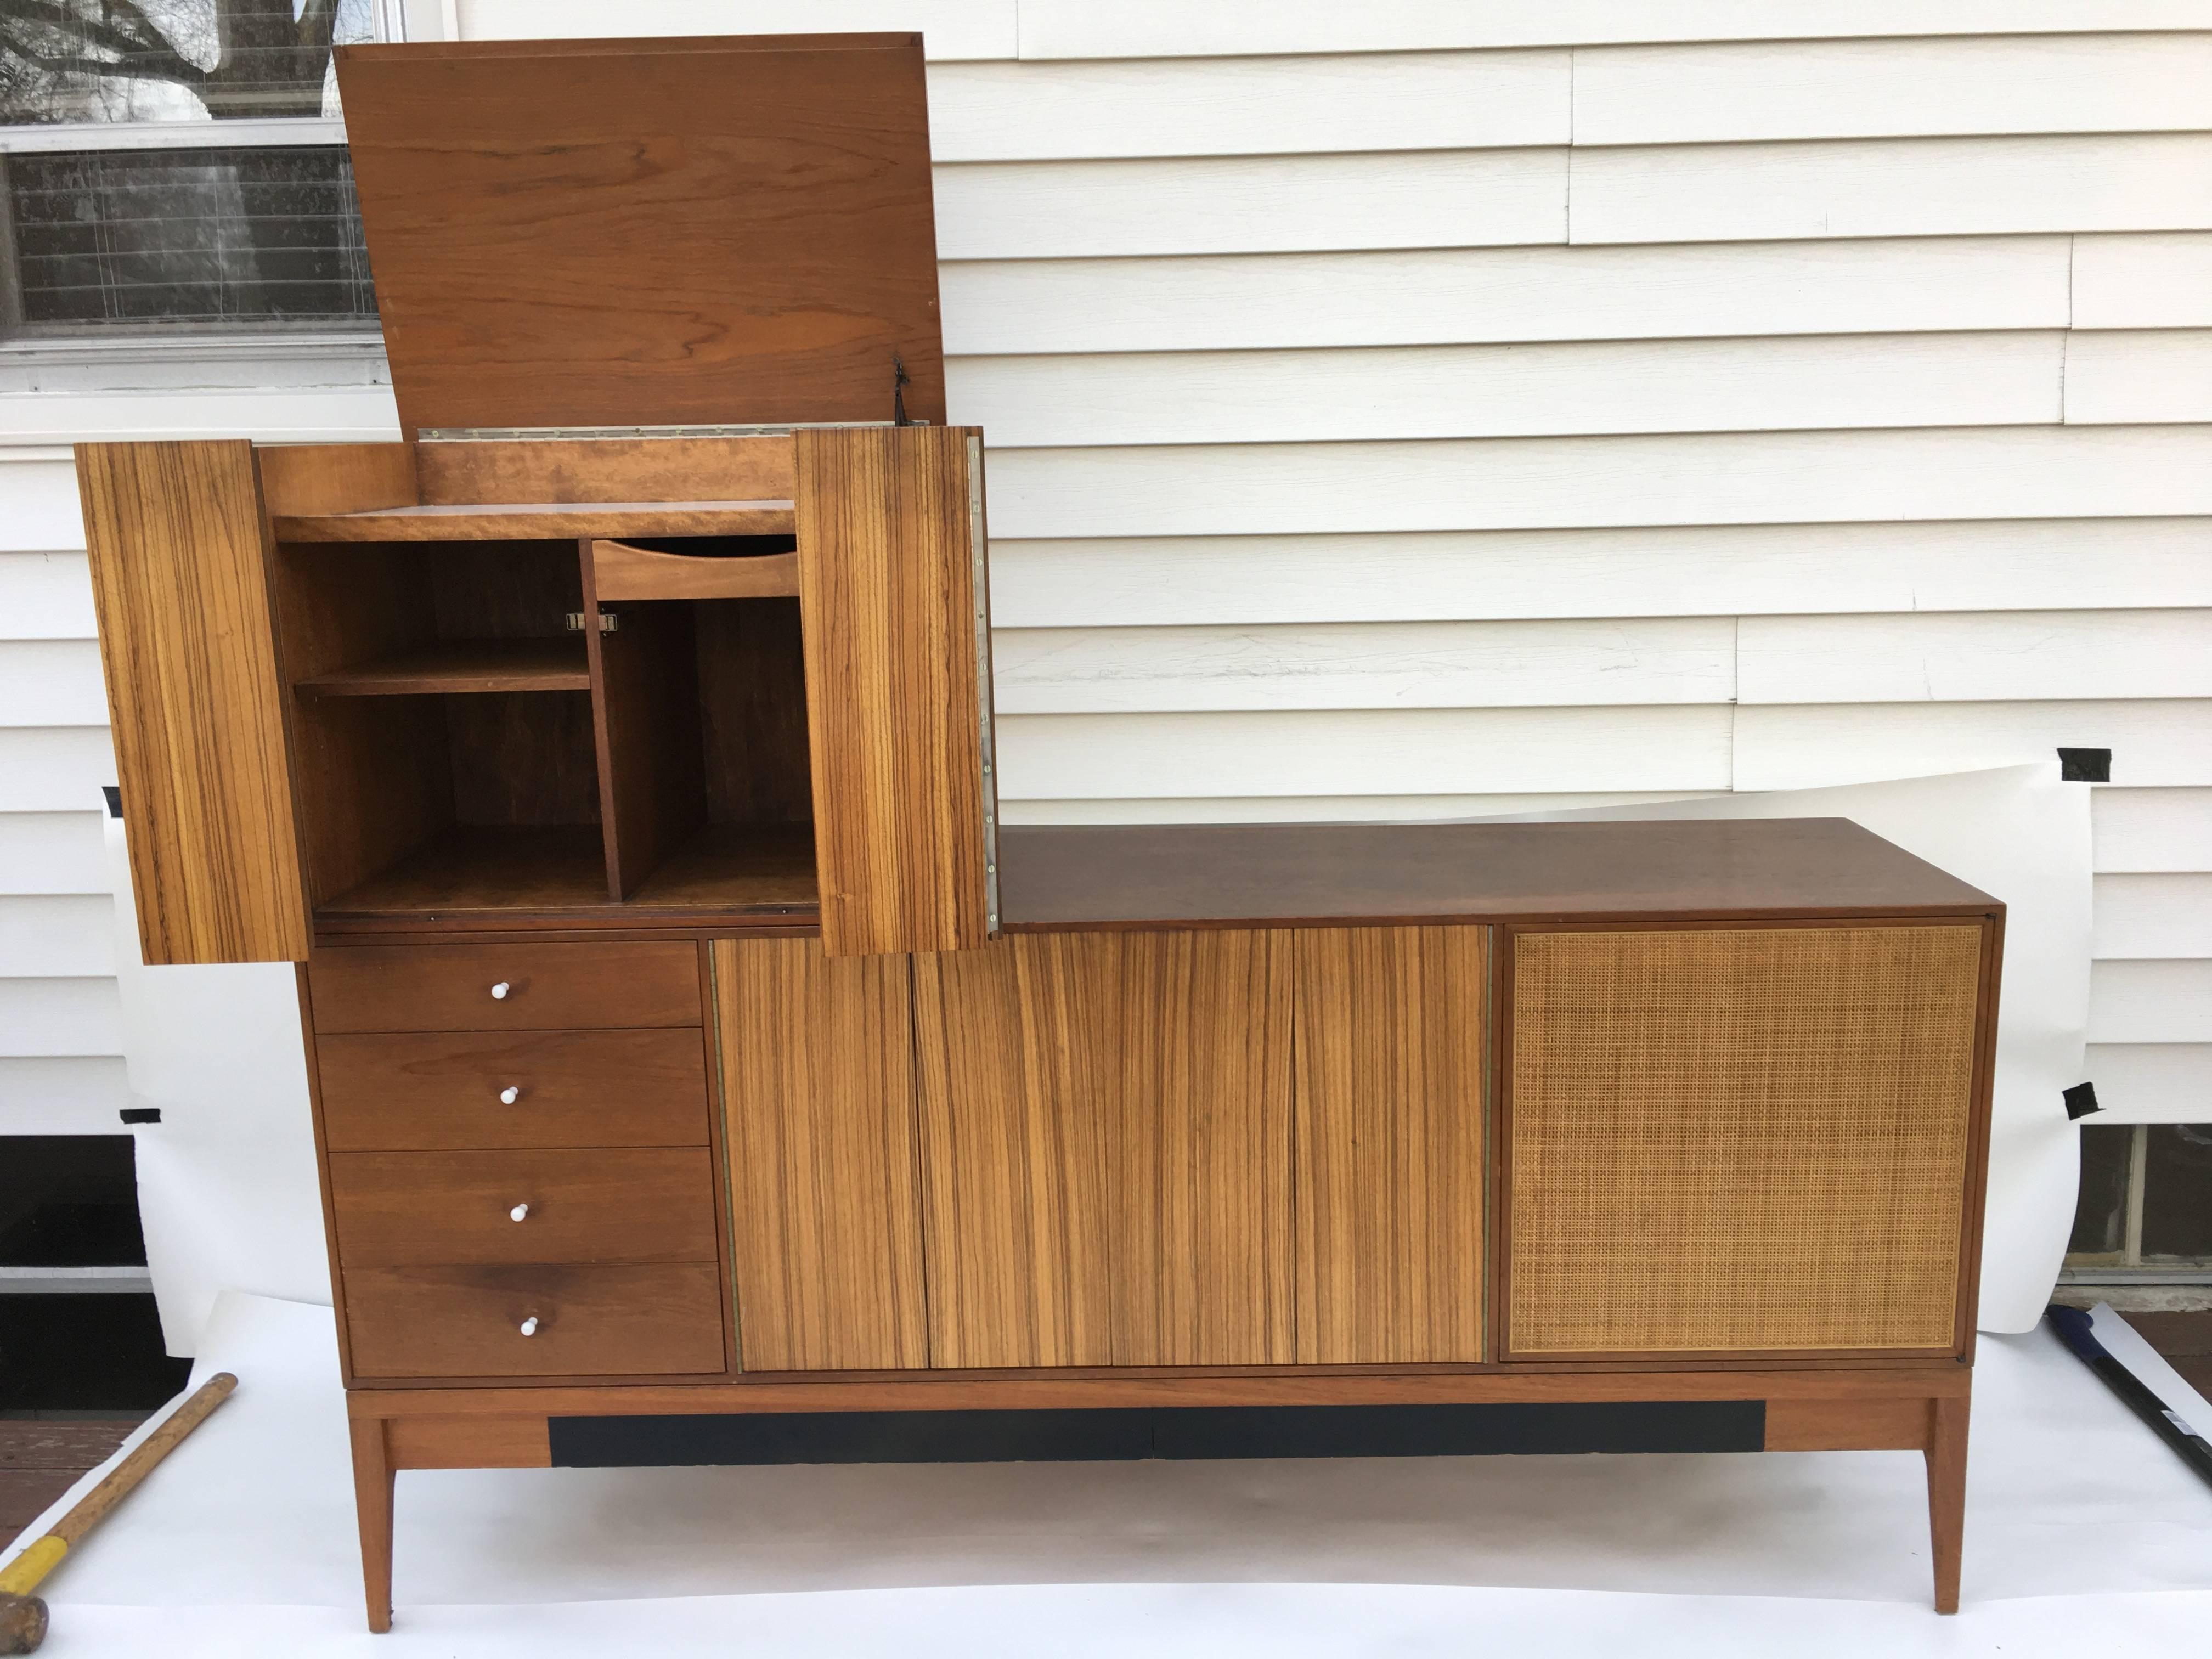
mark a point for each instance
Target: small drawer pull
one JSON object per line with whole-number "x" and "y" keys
{"x": 518, "y": 1212}
{"x": 499, "y": 991}
{"x": 509, "y": 1095}
{"x": 529, "y": 1326}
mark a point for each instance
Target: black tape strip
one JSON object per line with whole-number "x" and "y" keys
{"x": 140, "y": 1115}
{"x": 1129, "y": 1434}
{"x": 2085, "y": 765}
{"x": 114, "y": 799}
{"x": 2081, "y": 1101}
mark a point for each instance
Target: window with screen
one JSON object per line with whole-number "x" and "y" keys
{"x": 176, "y": 166}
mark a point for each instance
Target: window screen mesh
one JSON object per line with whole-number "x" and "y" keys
{"x": 250, "y": 237}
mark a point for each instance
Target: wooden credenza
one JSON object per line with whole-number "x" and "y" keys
{"x": 702, "y": 1073}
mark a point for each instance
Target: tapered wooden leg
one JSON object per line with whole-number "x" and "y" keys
{"x": 372, "y": 1498}
{"x": 1947, "y": 1494}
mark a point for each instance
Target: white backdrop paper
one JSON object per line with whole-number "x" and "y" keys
{"x": 2021, "y": 835}
{"x": 2084, "y": 1535}
{"x": 227, "y": 1191}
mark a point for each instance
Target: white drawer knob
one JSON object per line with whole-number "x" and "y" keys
{"x": 529, "y": 1326}
{"x": 509, "y": 1095}
{"x": 499, "y": 991}
{"x": 518, "y": 1212}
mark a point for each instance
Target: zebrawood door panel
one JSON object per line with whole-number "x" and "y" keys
{"x": 1739, "y": 1139}
{"x": 1201, "y": 1149}
{"x": 1106, "y": 1149}
{"x": 1017, "y": 1069}
{"x": 817, "y": 1084}
{"x": 897, "y": 683}
{"x": 1390, "y": 1144}
{"x": 180, "y": 579}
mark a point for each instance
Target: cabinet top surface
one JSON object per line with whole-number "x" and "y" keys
{"x": 1200, "y": 875}
{"x": 646, "y": 232}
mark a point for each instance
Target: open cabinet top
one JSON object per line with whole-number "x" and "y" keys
{"x": 580, "y": 233}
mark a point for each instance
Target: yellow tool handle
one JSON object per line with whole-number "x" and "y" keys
{"x": 21, "y": 1576}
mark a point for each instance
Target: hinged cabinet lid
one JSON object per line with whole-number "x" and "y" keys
{"x": 579, "y": 232}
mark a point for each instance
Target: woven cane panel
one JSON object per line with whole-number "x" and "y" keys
{"x": 1739, "y": 1139}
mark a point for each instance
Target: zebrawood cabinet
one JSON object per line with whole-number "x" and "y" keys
{"x": 692, "y": 1047}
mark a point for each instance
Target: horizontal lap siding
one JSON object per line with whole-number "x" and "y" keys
{"x": 61, "y": 1070}
{"x": 1147, "y": 29}
{"x": 1453, "y": 296}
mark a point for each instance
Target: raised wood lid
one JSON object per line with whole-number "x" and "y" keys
{"x": 727, "y": 231}
{"x": 1200, "y": 875}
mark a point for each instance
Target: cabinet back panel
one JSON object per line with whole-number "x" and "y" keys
{"x": 752, "y": 696}
{"x": 522, "y": 758}
{"x": 1739, "y": 1139}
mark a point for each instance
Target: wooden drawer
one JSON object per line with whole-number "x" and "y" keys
{"x": 592, "y": 1321}
{"x": 405, "y": 1092}
{"x": 395, "y": 1209}
{"x": 458, "y": 987}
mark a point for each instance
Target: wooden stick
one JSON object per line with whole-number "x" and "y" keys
{"x": 21, "y": 1576}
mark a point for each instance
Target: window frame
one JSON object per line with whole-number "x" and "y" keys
{"x": 180, "y": 345}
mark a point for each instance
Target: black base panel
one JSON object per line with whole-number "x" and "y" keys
{"x": 1181, "y": 1431}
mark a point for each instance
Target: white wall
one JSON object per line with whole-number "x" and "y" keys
{"x": 1418, "y": 408}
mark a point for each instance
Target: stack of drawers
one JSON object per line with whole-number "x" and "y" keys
{"x": 521, "y": 1173}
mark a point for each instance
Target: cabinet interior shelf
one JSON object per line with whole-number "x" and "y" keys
{"x": 462, "y": 665}
{"x": 539, "y": 520}
{"x": 764, "y": 872}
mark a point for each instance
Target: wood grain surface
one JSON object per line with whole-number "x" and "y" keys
{"x": 1390, "y": 1144}
{"x": 315, "y": 478}
{"x": 620, "y": 571}
{"x": 1016, "y": 1070}
{"x": 818, "y": 1089}
{"x": 439, "y": 1090}
{"x": 1213, "y": 875}
{"x": 468, "y": 1443}
{"x": 1201, "y": 1148}
{"x": 589, "y": 1204}
{"x": 433, "y": 1321}
{"x": 488, "y": 471}
{"x": 447, "y": 988}
{"x": 461, "y": 666}
{"x": 180, "y": 579}
{"x": 540, "y": 521}
{"x": 1847, "y": 1425}
{"x": 888, "y": 593}
{"x": 752, "y": 705}
{"x": 654, "y": 232}
{"x": 372, "y": 1498}
{"x": 645, "y": 722}
{"x": 1302, "y": 1387}
{"x": 1106, "y": 1149}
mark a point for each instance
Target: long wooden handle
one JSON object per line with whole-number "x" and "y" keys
{"x": 116, "y": 1485}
